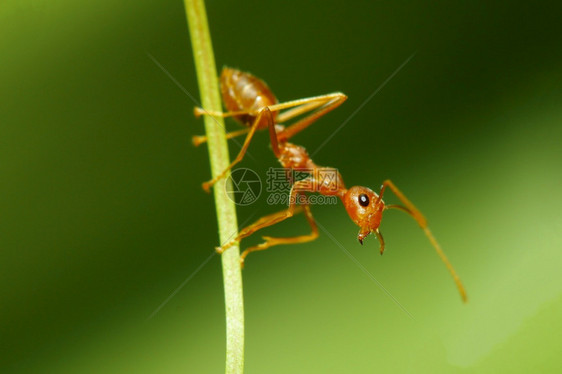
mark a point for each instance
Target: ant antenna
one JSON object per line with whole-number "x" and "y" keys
{"x": 436, "y": 245}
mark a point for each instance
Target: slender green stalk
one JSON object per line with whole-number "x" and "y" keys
{"x": 218, "y": 154}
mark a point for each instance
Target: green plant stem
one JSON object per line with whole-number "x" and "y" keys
{"x": 219, "y": 157}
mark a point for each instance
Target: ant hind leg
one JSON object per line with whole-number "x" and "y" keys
{"x": 265, "y": 111}
{"x": 200, "y": 139}
{"x": 271, "y": 241}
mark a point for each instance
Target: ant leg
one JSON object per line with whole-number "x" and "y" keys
{"x": 329, "y": 103}
{"x": 305, "y": 105}
{"x": 265, "y": 111}
{"x": 198, "y": 112}
{"x": 200, "y": 139}
{"x": 272, "y": 219}
{"x": 261, "y": 223}
{"x": 274, "y": 140}
{"x": 303, "y": 108}
{"x": 298, "y": 110}
{"x": 420, "y": 219}
{"x": 270, "y": 241}
{"x": 326, "y": 103}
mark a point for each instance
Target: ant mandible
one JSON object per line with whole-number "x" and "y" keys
{"x": 250, "y": 101}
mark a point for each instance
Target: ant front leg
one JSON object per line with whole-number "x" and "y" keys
{"x": 275, "y": 218}
{"x": 265, "y": 221}
{"x": 264, "y": 112}
{"x": 271, "y": 241}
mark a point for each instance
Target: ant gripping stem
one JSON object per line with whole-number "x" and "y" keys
{"x": 241, "y": 92}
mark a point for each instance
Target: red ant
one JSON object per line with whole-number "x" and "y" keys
{"x": 250, "y": 101}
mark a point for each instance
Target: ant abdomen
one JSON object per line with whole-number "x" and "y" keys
{"x": 244, "y": 92}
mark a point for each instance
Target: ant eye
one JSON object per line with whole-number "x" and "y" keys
{"x": 363, "y": 200}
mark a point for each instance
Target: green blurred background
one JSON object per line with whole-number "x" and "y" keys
{"x": 102, "y": 216}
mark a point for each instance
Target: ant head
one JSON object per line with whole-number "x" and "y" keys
{"x": 364, "y": 208}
